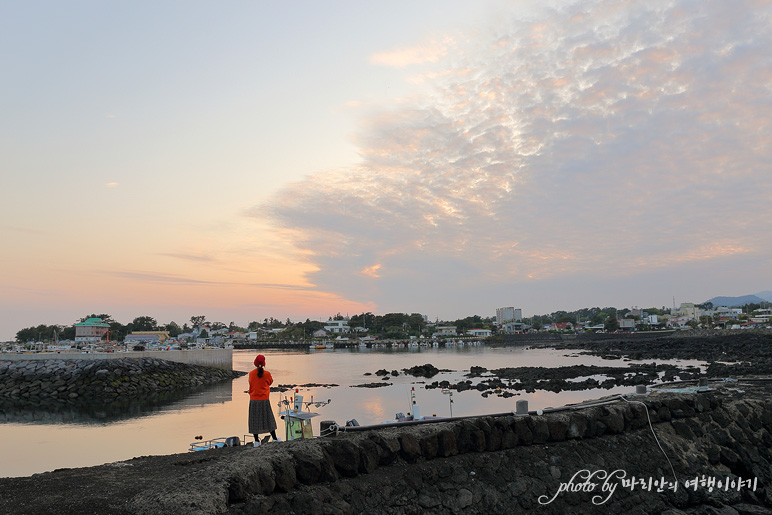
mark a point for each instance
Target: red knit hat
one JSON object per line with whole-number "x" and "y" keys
{"x": 260, "y": 360}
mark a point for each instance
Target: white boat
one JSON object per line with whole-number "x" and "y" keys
{"x": 219, "y": 443}
{"x": 297, "y": 425}
{"x": 415, "y": 412}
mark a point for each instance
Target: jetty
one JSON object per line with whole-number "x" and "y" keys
{"x": 687, "y": 448}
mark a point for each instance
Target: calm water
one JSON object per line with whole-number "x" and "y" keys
{"x": 39, "y": 441}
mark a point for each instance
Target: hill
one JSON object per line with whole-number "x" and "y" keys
{"x": 766, "y": 295}
{"x": 733, "y": 302}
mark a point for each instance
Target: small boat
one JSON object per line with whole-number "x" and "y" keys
{"x": 415, "y": 412}
{"x": 219, "y": 443}
{"x": 297, "y": 423}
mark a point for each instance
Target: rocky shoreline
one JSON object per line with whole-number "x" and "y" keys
{"x": 67, "y": 382}
{"x": 726, "y": 355}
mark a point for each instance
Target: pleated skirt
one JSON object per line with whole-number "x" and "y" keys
{"x": 261, "y": 419}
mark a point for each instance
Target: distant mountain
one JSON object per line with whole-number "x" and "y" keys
{"x": 736, "y": 302}
{"x": 766, "y": 295}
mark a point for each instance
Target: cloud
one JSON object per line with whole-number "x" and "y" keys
{"x": 153, "y": 277}
{"x": 604, "y": 138}
{"x": 371, "y": 271}
{"x": 112, "y": 184}
{"x": 428, "y": 52}
{"x": 189, "y": 257}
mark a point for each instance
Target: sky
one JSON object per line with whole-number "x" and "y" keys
{"x": 244, "y": 160}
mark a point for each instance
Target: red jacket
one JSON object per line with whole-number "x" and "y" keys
{"x": 260, "y": 387}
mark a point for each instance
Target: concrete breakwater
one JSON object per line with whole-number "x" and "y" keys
{"x": 711, "y": 454}
{"x": 215, "y": 358}
{"x": 76, "y": 380}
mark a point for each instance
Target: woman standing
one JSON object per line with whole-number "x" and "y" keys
{"x": 261, "y": 419}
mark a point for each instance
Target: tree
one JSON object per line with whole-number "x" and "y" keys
{"x": 197, "y": 321}
{"x": 416, "y": 323}
{"x": 612, "y": 324}
{"x": 108, "y": 319}
{"x": 144, "y": 323}
{"x": 173, "y": 328}
{"x": 394, "y": 333}
{"x": 26, "y": 334}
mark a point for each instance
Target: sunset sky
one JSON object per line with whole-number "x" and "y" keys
{"x": 243, "y": 160}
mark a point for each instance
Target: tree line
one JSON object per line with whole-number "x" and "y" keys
{"x": 389, "y": 325}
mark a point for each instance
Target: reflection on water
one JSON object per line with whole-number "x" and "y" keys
{"x": 81, "y": 412}
{"x": 92, "y": 435}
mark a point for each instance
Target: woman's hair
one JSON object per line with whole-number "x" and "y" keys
{"x": 259, "y": 371}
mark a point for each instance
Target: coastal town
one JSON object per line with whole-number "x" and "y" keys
{"x": 101, "y": 333}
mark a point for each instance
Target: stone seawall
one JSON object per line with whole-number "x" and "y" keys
{"x": 569, "y": 461}
{"x": 75, "y": 380}
{"x": 215, "y": 358}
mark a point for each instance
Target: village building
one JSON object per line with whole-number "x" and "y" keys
{"x": 508, "y": 314}
{"x": 146, "y": 336}
{"x": 90, "y": 330}
{"x": 337, "y": 326}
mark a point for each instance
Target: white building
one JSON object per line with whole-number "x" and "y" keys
{"x": 445, "y": 330}
{"x": 504, "y": 315}
{"x": 732, "y": 313}
{"x": 337, "y": 326}
{"x": 513, "y": 327}
{"x": 688, "y": 309}
{"x": 479, "y": 333}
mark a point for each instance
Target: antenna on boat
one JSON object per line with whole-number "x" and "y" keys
{"x": 413, "y": 406}
{"x": 449, "y": 391}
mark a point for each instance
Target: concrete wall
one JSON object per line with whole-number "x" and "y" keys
{"x": 215, "y": 358}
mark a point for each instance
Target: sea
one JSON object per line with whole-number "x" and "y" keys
{"x": 42, "y": 440}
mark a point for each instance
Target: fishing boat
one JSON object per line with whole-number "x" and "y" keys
{"x": 219, "y": 443}
{"x": 414, "y": 414}
{"x": 400, "y": 418}
{"x": 297, "y": 425}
